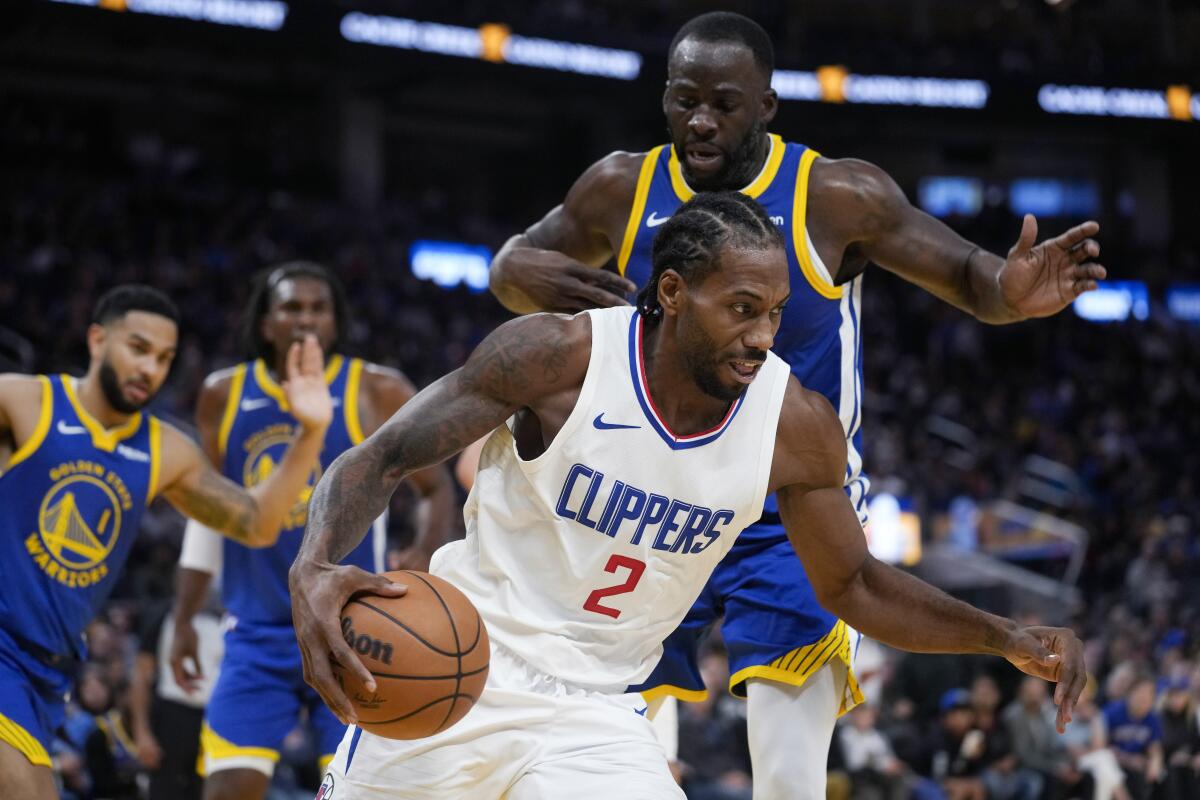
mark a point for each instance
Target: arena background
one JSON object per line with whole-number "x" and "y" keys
{"x": 1046, "y": 469}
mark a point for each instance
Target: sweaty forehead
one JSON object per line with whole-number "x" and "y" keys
{"x": 715, "y": 63}
{"x": 300, "y": 289}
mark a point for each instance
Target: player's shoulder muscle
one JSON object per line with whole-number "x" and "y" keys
{"x": 385, "y": 389}
{"x": 20, "y": 397}
{"x": 810, "y": 443}
{"x": 214, "y": 394}
{"x": 856, "y": 194}
{"x": 606, "y": 187}
{"x": 532, "y": 356}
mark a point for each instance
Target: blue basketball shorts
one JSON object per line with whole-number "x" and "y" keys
{"x": 259, "y": 699}
{"x": 773, "y": 627}
{"x": 33, "y": 700}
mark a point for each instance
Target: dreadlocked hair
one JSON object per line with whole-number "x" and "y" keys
{"x": 260, "y": 300}
{"x": 691, "y": 241}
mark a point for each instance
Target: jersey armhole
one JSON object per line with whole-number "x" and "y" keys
{"x": 236, "y": 383}
{"x": 800, "y": 231}
{"x": 40, "y": 430}
{"x": 155, "y": 458}
{"x": 771, "y": 432}
{"x": 645, "y": 176}
{"x": 350, "y": 402}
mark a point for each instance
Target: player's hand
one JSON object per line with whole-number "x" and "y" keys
{"x": 554, "y": 282}
{"x": 304, "y": 385}
{"x": 185, "y": 648}
{"x": 147, "y": 750}
{"x": 1040, "y": 280}
{"x": 1054, "y": 654}
{"x": 319, "y": 591}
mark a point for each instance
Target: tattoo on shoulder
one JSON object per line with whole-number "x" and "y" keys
{"x": 519, "y": 356}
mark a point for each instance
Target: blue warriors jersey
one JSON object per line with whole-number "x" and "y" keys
{"x": 819, "y": 334}
{"x": 72, "y": 497}
{"x": 255, "y": 432}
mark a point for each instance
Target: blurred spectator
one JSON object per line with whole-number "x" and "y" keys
{"x": 1135, "y": 731}
{"x": 1181, "y": 741}
{"x": 957, "y": 750}
{"x": 714, "y": 756}
{"x": 867, "y": 757}
{"x": 1041, "y": 755}
{"x": 1086, "y": 742}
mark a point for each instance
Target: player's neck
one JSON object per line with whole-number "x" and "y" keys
{"x": 91, "y": 397}
{"x": 684, "y": 407}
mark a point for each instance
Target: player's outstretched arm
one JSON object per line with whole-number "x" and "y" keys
{"x": 254, "y": 516}
{"x": 869, "y": 212}
{"x": 526, "y": 362}
{"x": 385, "y": 391}
{"x": 877, "y": 599}
{"x": 554, "y": 266}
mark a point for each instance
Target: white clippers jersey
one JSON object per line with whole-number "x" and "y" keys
{"x": 582, "y": 560}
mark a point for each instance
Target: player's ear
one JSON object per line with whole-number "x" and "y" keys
{"x": 770, "y": 106}
{"x": 97, "y": 336}
{"x": 671, "y": 286}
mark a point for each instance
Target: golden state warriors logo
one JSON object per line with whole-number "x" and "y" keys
{"x": 79, "y": 522}
{"x": 263, "y": 451}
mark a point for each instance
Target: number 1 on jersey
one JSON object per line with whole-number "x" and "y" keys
{"x": 635, "y": 567}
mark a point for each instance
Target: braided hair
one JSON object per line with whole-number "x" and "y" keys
{"x": 691, "y": 241}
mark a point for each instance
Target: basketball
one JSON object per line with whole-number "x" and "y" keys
{"x": 428, "y": 651}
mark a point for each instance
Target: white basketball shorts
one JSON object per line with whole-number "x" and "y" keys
{"x": 530, "y": 737}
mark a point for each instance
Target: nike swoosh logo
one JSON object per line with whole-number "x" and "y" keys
{"x": 653, "y": 221}
{"x": 256, "y": 403}
{"x": 601, "y": 425}
{"x": 70, "y": 430}
{"x": 641, "y": 712}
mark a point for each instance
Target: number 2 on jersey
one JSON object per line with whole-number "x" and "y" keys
{"x": 635, "y": 567}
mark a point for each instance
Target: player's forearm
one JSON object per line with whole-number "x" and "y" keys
{"x": 275, "y": 497}
{"x": 139, "y": 694}
{"x": 897, "y": 609}
{"x": 502, "y": 276}
{"x": 435, "y": 512}
{"x": 191, "y": 590}
{"x": 352, "y": 492}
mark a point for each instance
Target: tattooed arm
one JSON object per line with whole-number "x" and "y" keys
{"x": 536, "y": 362}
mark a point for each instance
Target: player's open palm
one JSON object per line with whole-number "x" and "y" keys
{"x": 1043, "y": 279}
{"x": 319, "y": 591}
{"x": 1054, "y": 654}
{"x": 304, "y": 386}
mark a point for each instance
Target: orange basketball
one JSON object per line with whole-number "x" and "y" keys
{"x": 428, "y": 651}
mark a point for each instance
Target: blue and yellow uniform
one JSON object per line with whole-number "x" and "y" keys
{"x": 261, "y": 688}
{"x": 774, "y": 628}
{"x": 72, "y": 495}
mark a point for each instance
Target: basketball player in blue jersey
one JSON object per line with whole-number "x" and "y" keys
{"x": 82, "y": 462}
{"x": 243, "y": 417}
{"x": 627, "y": 450}
{"x": 836, "y": 216}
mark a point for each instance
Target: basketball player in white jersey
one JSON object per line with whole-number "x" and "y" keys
{"x": 628, "y": 449}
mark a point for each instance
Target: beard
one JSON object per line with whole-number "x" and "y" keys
{"x": 701, "y": 360}
{"x": 110, "y": 384}
{"x": 740, "y": 166}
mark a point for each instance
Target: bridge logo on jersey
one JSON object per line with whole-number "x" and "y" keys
{"x": 264, "y": 450}
{"x": 79, "y": 522}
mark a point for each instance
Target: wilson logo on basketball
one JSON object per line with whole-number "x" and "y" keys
{"x": 365, "y": 645}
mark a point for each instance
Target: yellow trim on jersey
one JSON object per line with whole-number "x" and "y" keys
{"x": 800, "y": 233}
{"x": 23, "y": 742}
{"x": 667, "y": 690}
{"x": 40, "y": 430}
{"x": 231, "y": 406}
{"x": 324, "y": 761}
{"x": 756, "y": 187}
{"x": 275, "y": 391}
{"x": 103, "y": 438}
{"x": 214, "y": 747}
{"x": 155, "y": 458}
{"x": 797, "y": 666}
{"x": 645, "y": 176}
{"x": 350, "y": 401}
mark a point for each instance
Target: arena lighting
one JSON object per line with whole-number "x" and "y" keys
{"x": 491, "y": 42}
{"x": 1114, "y": 301}
{"x": 266, "y": 15}
{"x": 1176, "y": 102}
{"x": 947, "y": 195}
{"x": 836, "y": 85}
{"x": 1183, "y": 301}
{"x": 449, "y": 264}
